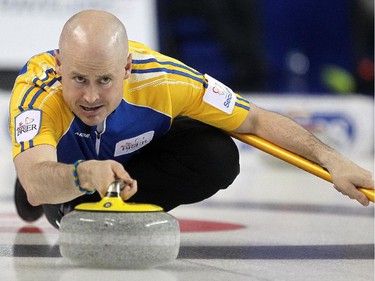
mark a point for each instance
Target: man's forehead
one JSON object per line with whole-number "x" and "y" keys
{"x": 92, "y": 69}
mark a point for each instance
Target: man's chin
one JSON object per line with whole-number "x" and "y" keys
{"x": 91, "y": 121}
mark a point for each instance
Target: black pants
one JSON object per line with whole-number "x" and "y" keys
{"x": 189, "y": 164}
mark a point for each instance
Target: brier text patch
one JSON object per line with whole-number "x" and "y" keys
{"x": 219, "y": 95}
{"x": 130, "y": 145}
{"x": 27, "y": 125}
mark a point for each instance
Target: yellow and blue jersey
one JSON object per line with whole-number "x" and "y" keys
{"x": 158, "y": 89}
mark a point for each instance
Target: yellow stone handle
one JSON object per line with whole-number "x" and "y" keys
{"x": 112, "y": 202}
{"x": 292, "y": 158}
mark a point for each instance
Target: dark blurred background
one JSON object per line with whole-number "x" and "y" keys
{"x": 299, "y": 46}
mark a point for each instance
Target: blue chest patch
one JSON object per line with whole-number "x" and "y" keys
{"x": 126, "y": 131}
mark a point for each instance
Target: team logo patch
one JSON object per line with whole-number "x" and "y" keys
{"x": 130, "y": 145}
{"x": 27, "y": 125}
{"x": 219, "y": 95}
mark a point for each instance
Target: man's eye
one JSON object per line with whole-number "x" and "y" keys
{"x": 79, "y": 79}
{"x": 105, "y": 80}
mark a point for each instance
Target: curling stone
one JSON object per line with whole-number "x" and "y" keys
{"x": 115, "y": 234}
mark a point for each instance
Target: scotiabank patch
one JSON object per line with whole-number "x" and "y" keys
{"x": 27, "y": 125}
{"x": 219, "y": 95}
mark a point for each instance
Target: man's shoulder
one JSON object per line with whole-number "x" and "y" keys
{"x": 135, "y": 46}
{"x": 148, "y": 63}
{"x": 45, "y": 60}
{"x": 146, "y": 56}
{"x": 38, "y": 84}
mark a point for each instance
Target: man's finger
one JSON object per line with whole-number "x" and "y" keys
{"x": 129, "y": 190}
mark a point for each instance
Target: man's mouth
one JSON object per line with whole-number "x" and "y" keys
{"x": 90, "y": 108}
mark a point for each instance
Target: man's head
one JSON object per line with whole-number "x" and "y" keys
{"x": 93, "y": 61}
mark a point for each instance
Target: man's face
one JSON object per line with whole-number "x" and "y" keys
{"x": 92, "y": 83}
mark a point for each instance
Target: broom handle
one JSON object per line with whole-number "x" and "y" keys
{"x": 292, "y": 158}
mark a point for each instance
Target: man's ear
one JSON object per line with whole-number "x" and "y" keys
{"x": 128, "y": 67}
{"x": 58, "y": 62}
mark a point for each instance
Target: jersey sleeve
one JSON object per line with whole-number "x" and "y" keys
{"x": 34, "y": 117}
{"x": 215, "y": 104}
{"x": 174, "y": 88}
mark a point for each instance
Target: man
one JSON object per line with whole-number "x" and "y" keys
{"x": 101, "y": 108}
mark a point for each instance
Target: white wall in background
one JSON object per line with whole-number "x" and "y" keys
{"x": 29, "y": 27}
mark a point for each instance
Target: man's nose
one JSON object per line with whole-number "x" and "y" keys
{"x": 91, "y": 94}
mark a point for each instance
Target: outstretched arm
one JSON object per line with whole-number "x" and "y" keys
{"x": 286, "y": 133}
{"x": 48, "y": 182}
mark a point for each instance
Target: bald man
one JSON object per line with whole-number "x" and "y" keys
{"x": 102, "y": 108}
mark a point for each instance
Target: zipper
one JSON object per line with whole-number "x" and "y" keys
{"x": 100, "y": 129}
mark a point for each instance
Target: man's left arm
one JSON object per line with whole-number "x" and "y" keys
{"x": 286, "y": 133}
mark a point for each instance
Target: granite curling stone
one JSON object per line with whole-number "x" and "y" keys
{"x": 115, "y": 234}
